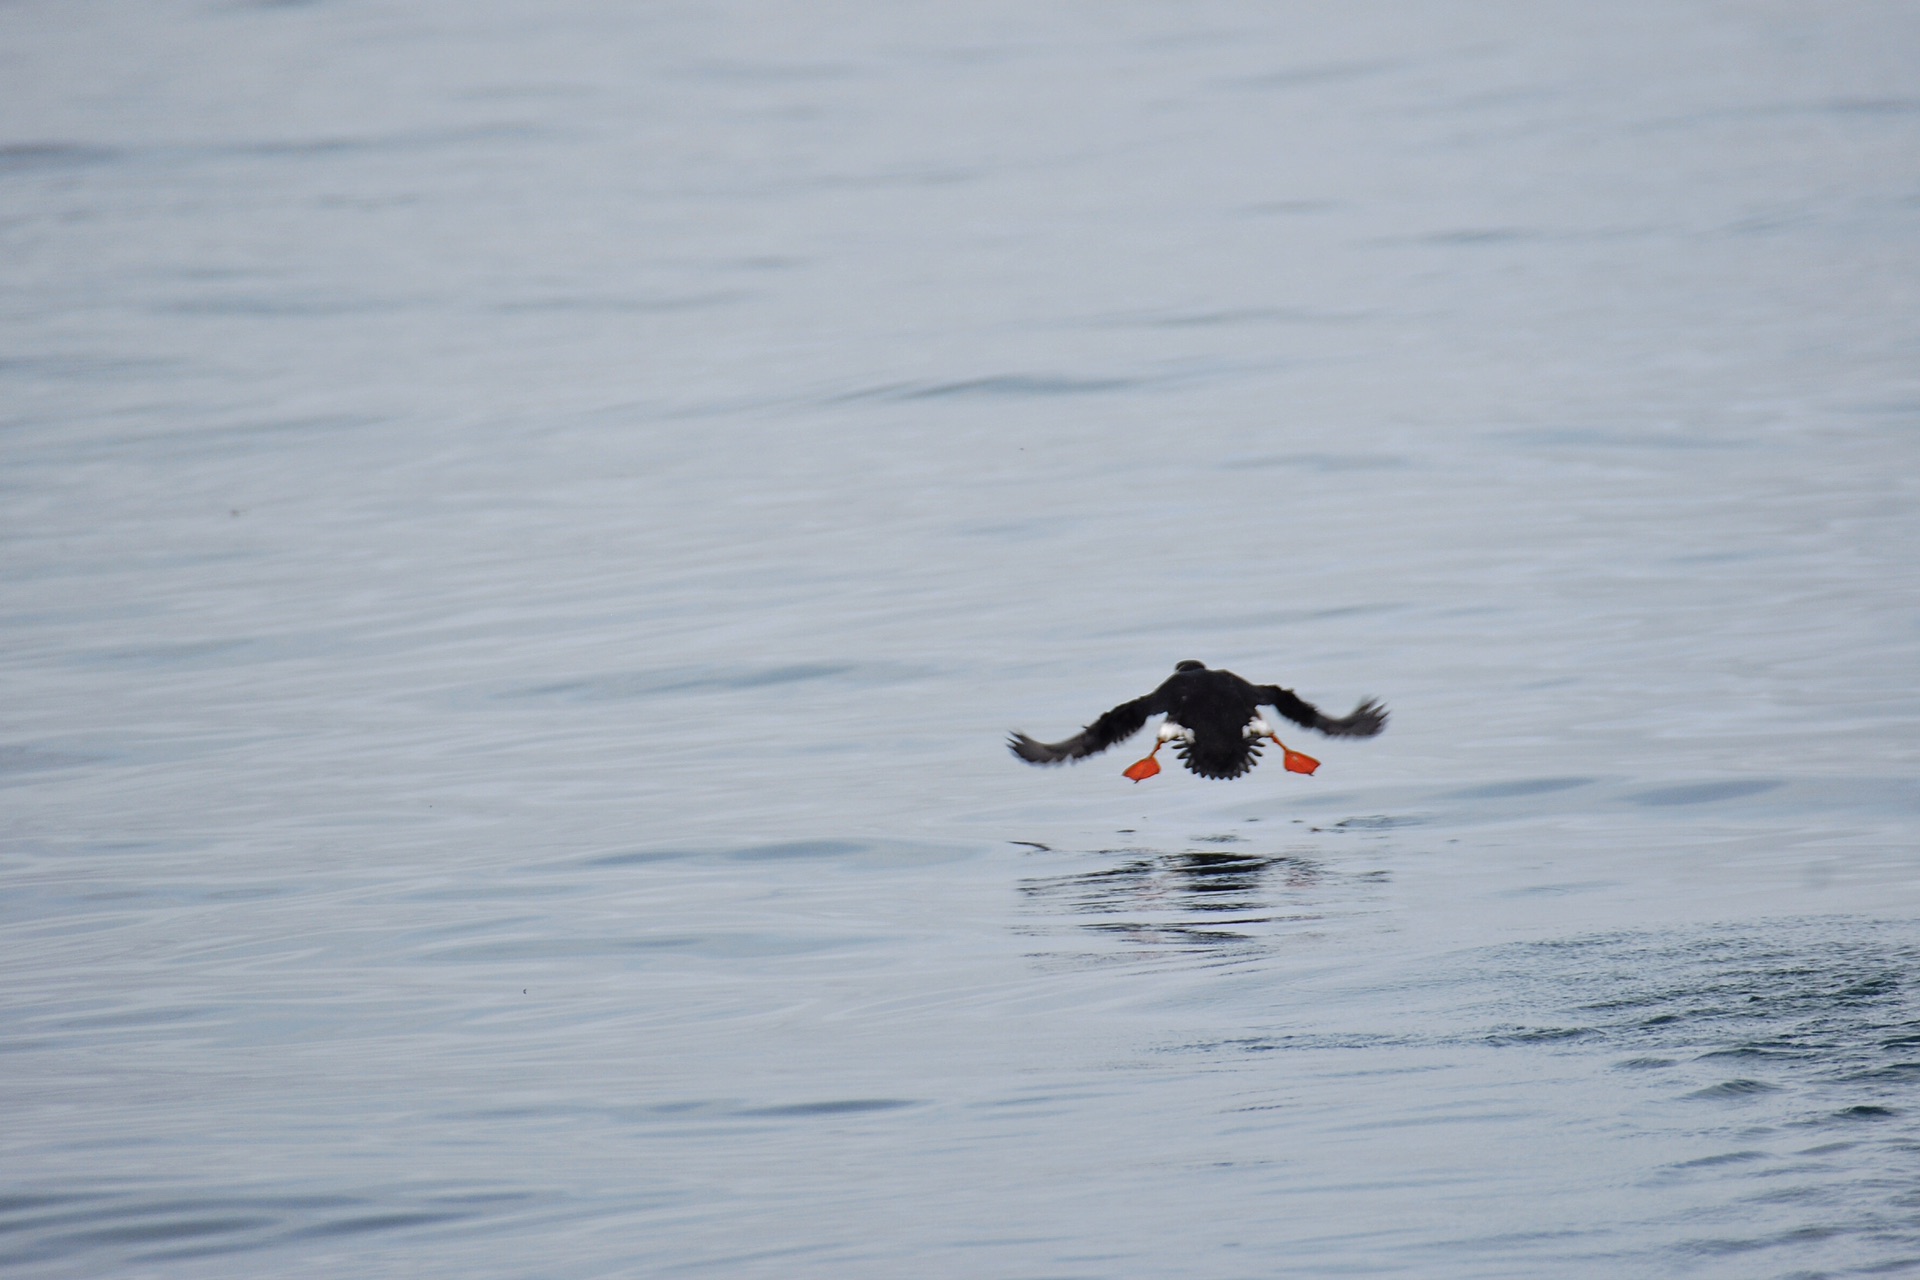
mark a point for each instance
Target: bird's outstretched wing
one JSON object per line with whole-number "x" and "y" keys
{"x": 1122, "y": 722}
{"x": 1364, "y": 721}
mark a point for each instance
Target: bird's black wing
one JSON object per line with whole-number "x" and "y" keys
{"x": 1122, "y": 722}
{"x": 1364, "y": 721}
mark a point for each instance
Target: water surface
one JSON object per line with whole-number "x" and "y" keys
{"x": 525, "y": 528}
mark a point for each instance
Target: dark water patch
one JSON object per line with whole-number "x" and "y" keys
{"x": 1283, "y": 208}
{"x": 1318, "y": 74}
{"x": 801, "y": 849}
{"x": 1537, "y": 1035}
{"x": 82, "y": 366}
{"x": 493, "y": 891}
{"x": 17, "y": 761}
{"x": 1514, "y": 790}
{"x": 1051, "y": 1098}
{"x": 685, "y": 1110}
{"x": 1898, "y": 410}
{"x": 1325, "y": 463}
{"x": 1760, "y": 224}
{"x": 369, "y": 1223}
{"x": 869, "y": 854}
{"x": 606, "y": 304}
{"x": 35, "y": 157}
{"x": 1476, "y": 236}
{"x": 1705, "y": 792}
{"x": 889, "y": 178}
{"x": 1377, "y": 822}
{"x": 180, "y": 1227}
{"x": 1737, "y": 1088}
{"x": 182, "y": 653}
{"x": 21, "y": 158}
{"x": 1871, "y": 106}
{"x": 410, "y": 140}
{"x": 636, "y": 858}
{"x": 1302, "y": 1042}
{"x": 293, "y": 305}
{"x": 1596, "y": 438}
{"x": 116, "y": 1229}
{"x": 1557, "y": 890}
{"x": 1645, "y": 1064}
{"x": 139, "y": 1018}
{"x": 1265, "y": 618}
{"x": 720, "y": 944}
{"x": 1895, "y": 1073}
{"x": 1165, "y": 934}
{"x": 839, "y": 1107}
{"x": 1025, "y": 529}
{"x": 1729, "y": 1157}
{"x": 620, "y": 686}
{"x": 1251, "y": 315}
{"x": 1874, "y": 106}
{"x": 776, "y": 72}
{"x": 17, "y": 1202}
{"x": 1231, "y": 317}
{"x": 223, "y": 442}
{"x": 1757, "y": 1053}
{"x": 1865, "y": 1111}
{"x": 1722, "y": 557}
{"x": 995, "y": 387}
{"x": 1729, "y": 1247}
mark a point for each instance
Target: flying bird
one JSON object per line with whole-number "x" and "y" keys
{"x": 1213, "y": 720}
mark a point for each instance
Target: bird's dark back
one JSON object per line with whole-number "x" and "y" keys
{"x": 1209, "y": 700}
{"x": 1216, "y": 706}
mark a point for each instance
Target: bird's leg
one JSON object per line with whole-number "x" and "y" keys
{"x": 1141, "y": 770}
{"x": 1296, "y": 761}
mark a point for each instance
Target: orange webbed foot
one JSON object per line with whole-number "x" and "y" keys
{"x": 1144, "y": 768}
{"x": 1296, "y": 761}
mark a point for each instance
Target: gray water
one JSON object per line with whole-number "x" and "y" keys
{"x": 526, "y": 527}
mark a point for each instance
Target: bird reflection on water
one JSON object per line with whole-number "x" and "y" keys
{"x": 1193, "y": 901}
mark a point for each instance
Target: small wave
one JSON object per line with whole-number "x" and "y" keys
{"x": 1377, "y": 822}
{"x": 108, "y": 1230}
{"x": 1729, "y": 1157}
{"x": 1538, "y": 1035}
{"x": 1522, "y": 787}
{"x": 1740, "y": 1088}
{"x": 617, "y": 686}
{"x": 801, "y": 849}
{"x": 16, "y": 760}
{"x": 1705, "y": 792}
{"x": 22, "y": 157}
{"x": 837, "y": 1107}
{"x": 995, "y": 386}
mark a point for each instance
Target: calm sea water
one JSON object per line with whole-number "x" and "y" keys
{"x": 526, "y": 526}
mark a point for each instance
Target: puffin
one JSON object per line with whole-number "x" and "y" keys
{"x": 1213, "y": 721}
